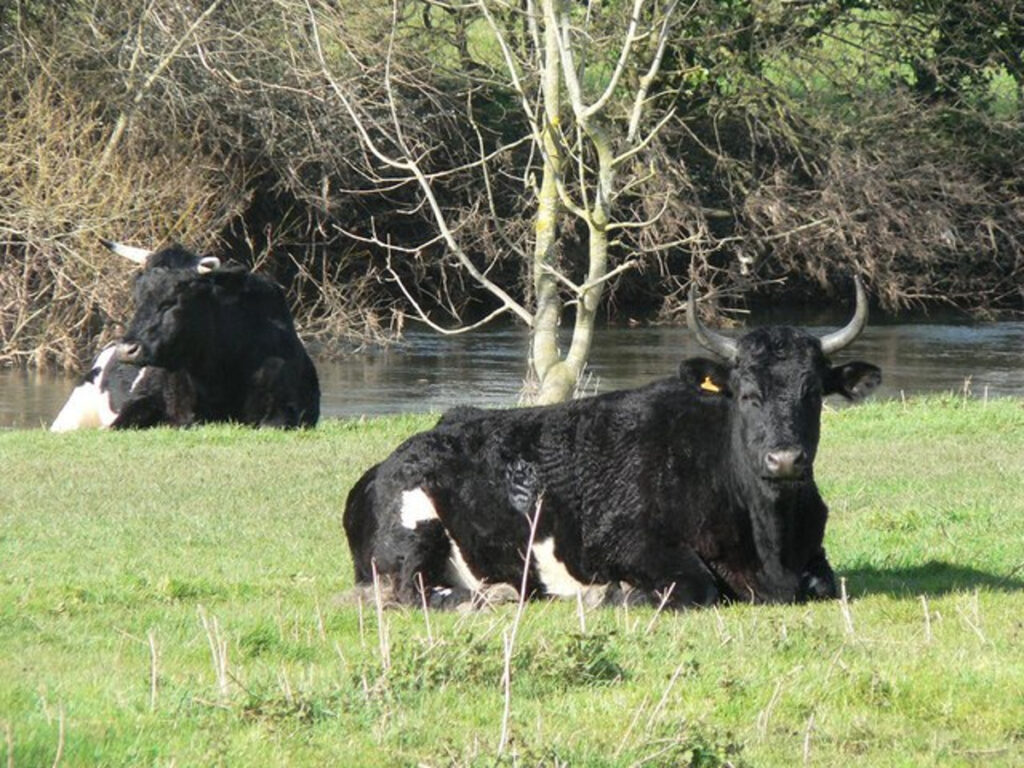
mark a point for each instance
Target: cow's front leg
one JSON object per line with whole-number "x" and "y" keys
{"x": 427, "y": 576}
{"x": 773, "y": 583}
{"x": 140, "y": 413}
{"x": 817, "y": 581}
{"x": 270, "y": 401}
{"x": 675, "y": 576}
{"x": 421, "y": 575}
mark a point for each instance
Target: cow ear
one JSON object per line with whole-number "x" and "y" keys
{"x": 229, "y": 277}
{"x": 709, "y": 377}
{"x": 854, "y": 381}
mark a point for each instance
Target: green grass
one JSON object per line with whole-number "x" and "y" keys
{"x": 127, "y": 559}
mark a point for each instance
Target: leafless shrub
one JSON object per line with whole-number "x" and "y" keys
{"x": 62, "y": 292}
{"x": 923, "y": 221}
{"x": 213, "y": 123}
{"x": 160, "y": 122}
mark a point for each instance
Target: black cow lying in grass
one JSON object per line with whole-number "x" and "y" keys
{"x": 685, "y": 492}
{"x": 117, "y": 395}
{"x": 207, "y": 343}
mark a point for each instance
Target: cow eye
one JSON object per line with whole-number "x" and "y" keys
{"x": 751, "y": 399}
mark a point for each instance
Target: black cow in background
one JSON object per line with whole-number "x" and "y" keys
{"x": 231, "y": 331}
{"x": 689, "y": 490}
{"x": 207, "y": 343}
{"x": 116, "y": 395}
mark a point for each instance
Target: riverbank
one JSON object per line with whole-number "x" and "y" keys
{"x": 173, "y": 597}
{"x": 428, "y": 372}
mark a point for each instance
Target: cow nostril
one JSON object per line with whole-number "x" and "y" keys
{"x": 788, "y": 463}
{"x": 129, "y": 351}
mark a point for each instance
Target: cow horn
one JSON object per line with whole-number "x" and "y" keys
{"x": 208, "y": 264}
{"x": 836, "y": 340}
{"x": 721, "y": 345}
{"x": 138, "y": 255}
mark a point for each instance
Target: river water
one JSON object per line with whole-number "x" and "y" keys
{"x": 427, "y": 372}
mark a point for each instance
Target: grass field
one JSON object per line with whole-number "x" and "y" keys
{"x": 173, "y": 598}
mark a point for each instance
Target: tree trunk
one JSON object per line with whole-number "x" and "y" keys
{"x": 554, "y": 382}
{"x": 558, "y": 377}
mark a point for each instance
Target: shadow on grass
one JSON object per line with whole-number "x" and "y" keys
{"x": 931, "y": 578}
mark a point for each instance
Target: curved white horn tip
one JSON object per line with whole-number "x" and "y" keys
{"x": 835, "y": 341}
{"x": 130, "y": 252}
{"x": 208, "y": 264}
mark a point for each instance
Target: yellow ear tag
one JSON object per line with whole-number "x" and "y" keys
{"x": 709, "y": 386}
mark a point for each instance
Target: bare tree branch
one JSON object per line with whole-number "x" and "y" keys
{"x": 407, "y": 163}
{"x": 425, "y": 318}
{"x": 140, "y": 93}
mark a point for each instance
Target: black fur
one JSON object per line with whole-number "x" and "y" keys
{"x": 149, "y": 398}
{"x": 232, "y": 333}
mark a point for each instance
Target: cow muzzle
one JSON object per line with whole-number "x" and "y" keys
{"x": 788, "y": 464}
{"x": 130, "y": 352}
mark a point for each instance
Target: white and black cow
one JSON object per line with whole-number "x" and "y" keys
{"x": 116, "y": 395}
{"x": 690, "y": 490}
{"x": 113, "y": 394}
{"x": 207, "y": 343}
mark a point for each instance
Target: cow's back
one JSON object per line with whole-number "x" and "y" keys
{"x": 592, "y": 468}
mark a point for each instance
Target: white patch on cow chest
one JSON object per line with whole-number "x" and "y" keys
{"x": 417, "y": 508}
{"x": 138, "y": 379}
{"x": 552, "y": 572}
{"x": 458, "y": 571}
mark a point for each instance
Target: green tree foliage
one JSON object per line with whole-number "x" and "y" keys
{"x": 881, "y": 136}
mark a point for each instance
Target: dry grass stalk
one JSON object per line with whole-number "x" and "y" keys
{"x": 665, "y": 596}
{"x": 9, "y": 739}
{"x": 844, "y": 607}
{"x": 426, "y": 608}
{"x": 153, "y": 676}
{"x": 927, "y": 620}
{"x": 362, "y": 624}
{"x": 383, "y": 640}
{"x": 629, "y": 729}
{"x": 60, "y": 737}
{"x": 656, "y": 712}
{"x": 509, "y": 636}
{"x": 764, "y": 716}
{"x": 320, "y": 628}
{"x": 218, "y": 651}
{"x": 720, "y": 628}
{"x": 581, "y": 612}
{"x": 807, "y": 739}
{"x": 972, "y": 618}
{"x": 285, "y": 684}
